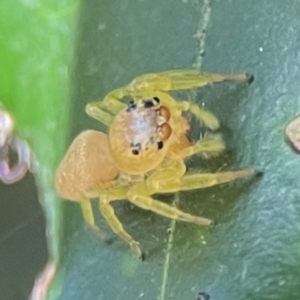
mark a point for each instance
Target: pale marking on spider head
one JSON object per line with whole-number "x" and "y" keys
{"x": 139, "y": 136}
{"x": 146, "y": 125}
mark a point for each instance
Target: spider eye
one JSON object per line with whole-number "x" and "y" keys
{"x": 135, "y": 152}
{"x": 165, "y": 131}
{"x": 131, "y": 105}
{"x": 160, "y": 145}
{"x": 156, "y": 99}
{"x": 148, "y": 104}
{"x": 165, "y": 112}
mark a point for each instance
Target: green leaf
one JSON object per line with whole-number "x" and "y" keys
{"x": 254, "y": 250}
{"x": 37, "y": 42}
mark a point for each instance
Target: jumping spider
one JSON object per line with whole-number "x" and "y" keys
{"x": 144, "y": 151}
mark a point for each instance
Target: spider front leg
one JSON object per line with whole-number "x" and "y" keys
{"x": 103, "y": 111}
{"x": 182, "y": 80}
{"x": 177, "y": 107}
{"x": 158, "y": 84}
{"x": 203, "y": 180}
{"x": 209, "y": 146}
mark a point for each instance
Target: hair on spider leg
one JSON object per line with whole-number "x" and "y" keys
{"x": 214, "y": 144}
{"x": 201, "y": 135}
{"x": 210, "y": 136}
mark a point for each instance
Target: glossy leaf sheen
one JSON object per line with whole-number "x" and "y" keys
{"x": 253, "y": 252}
{"x": 36, "y": 47}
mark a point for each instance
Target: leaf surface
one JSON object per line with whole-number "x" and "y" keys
{"x": 253, "y": 252}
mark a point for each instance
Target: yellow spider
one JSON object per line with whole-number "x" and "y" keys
{"x": 144, "y": 151}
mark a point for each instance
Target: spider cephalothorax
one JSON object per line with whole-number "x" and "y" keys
{"x": 140, "y": 135}
{"x": 146, "y": 124}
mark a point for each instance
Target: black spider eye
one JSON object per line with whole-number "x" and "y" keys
{"x": 160, "y": 145}
{"x": 131, "y": 105}
{"x": 148, "y": 104}
{"x": 156, "y": 99}
{"x": 135, "y": 152}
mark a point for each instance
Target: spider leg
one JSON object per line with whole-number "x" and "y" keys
{"x": 137, "y": 196}
{"x": 170, "y": 180}
{"x": 112, "y": 193}
{"x": 199, "y": 181}
{"x": 103, "y": 111}
{"x": 165, "y": 81}
{"x": 88, "y": 216}
{"x": 181, "y": 80}
{"x": 158, "y": 182}
{"x": 108, "y": 213}
{"x": 208, "y": 146}
{"x": 187, "y": 79}
{"x": 95, "y": 111}
{"x": 203, "y": 115}
{"x": 157, "y": 84}
{"x": 177, "y": 107}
